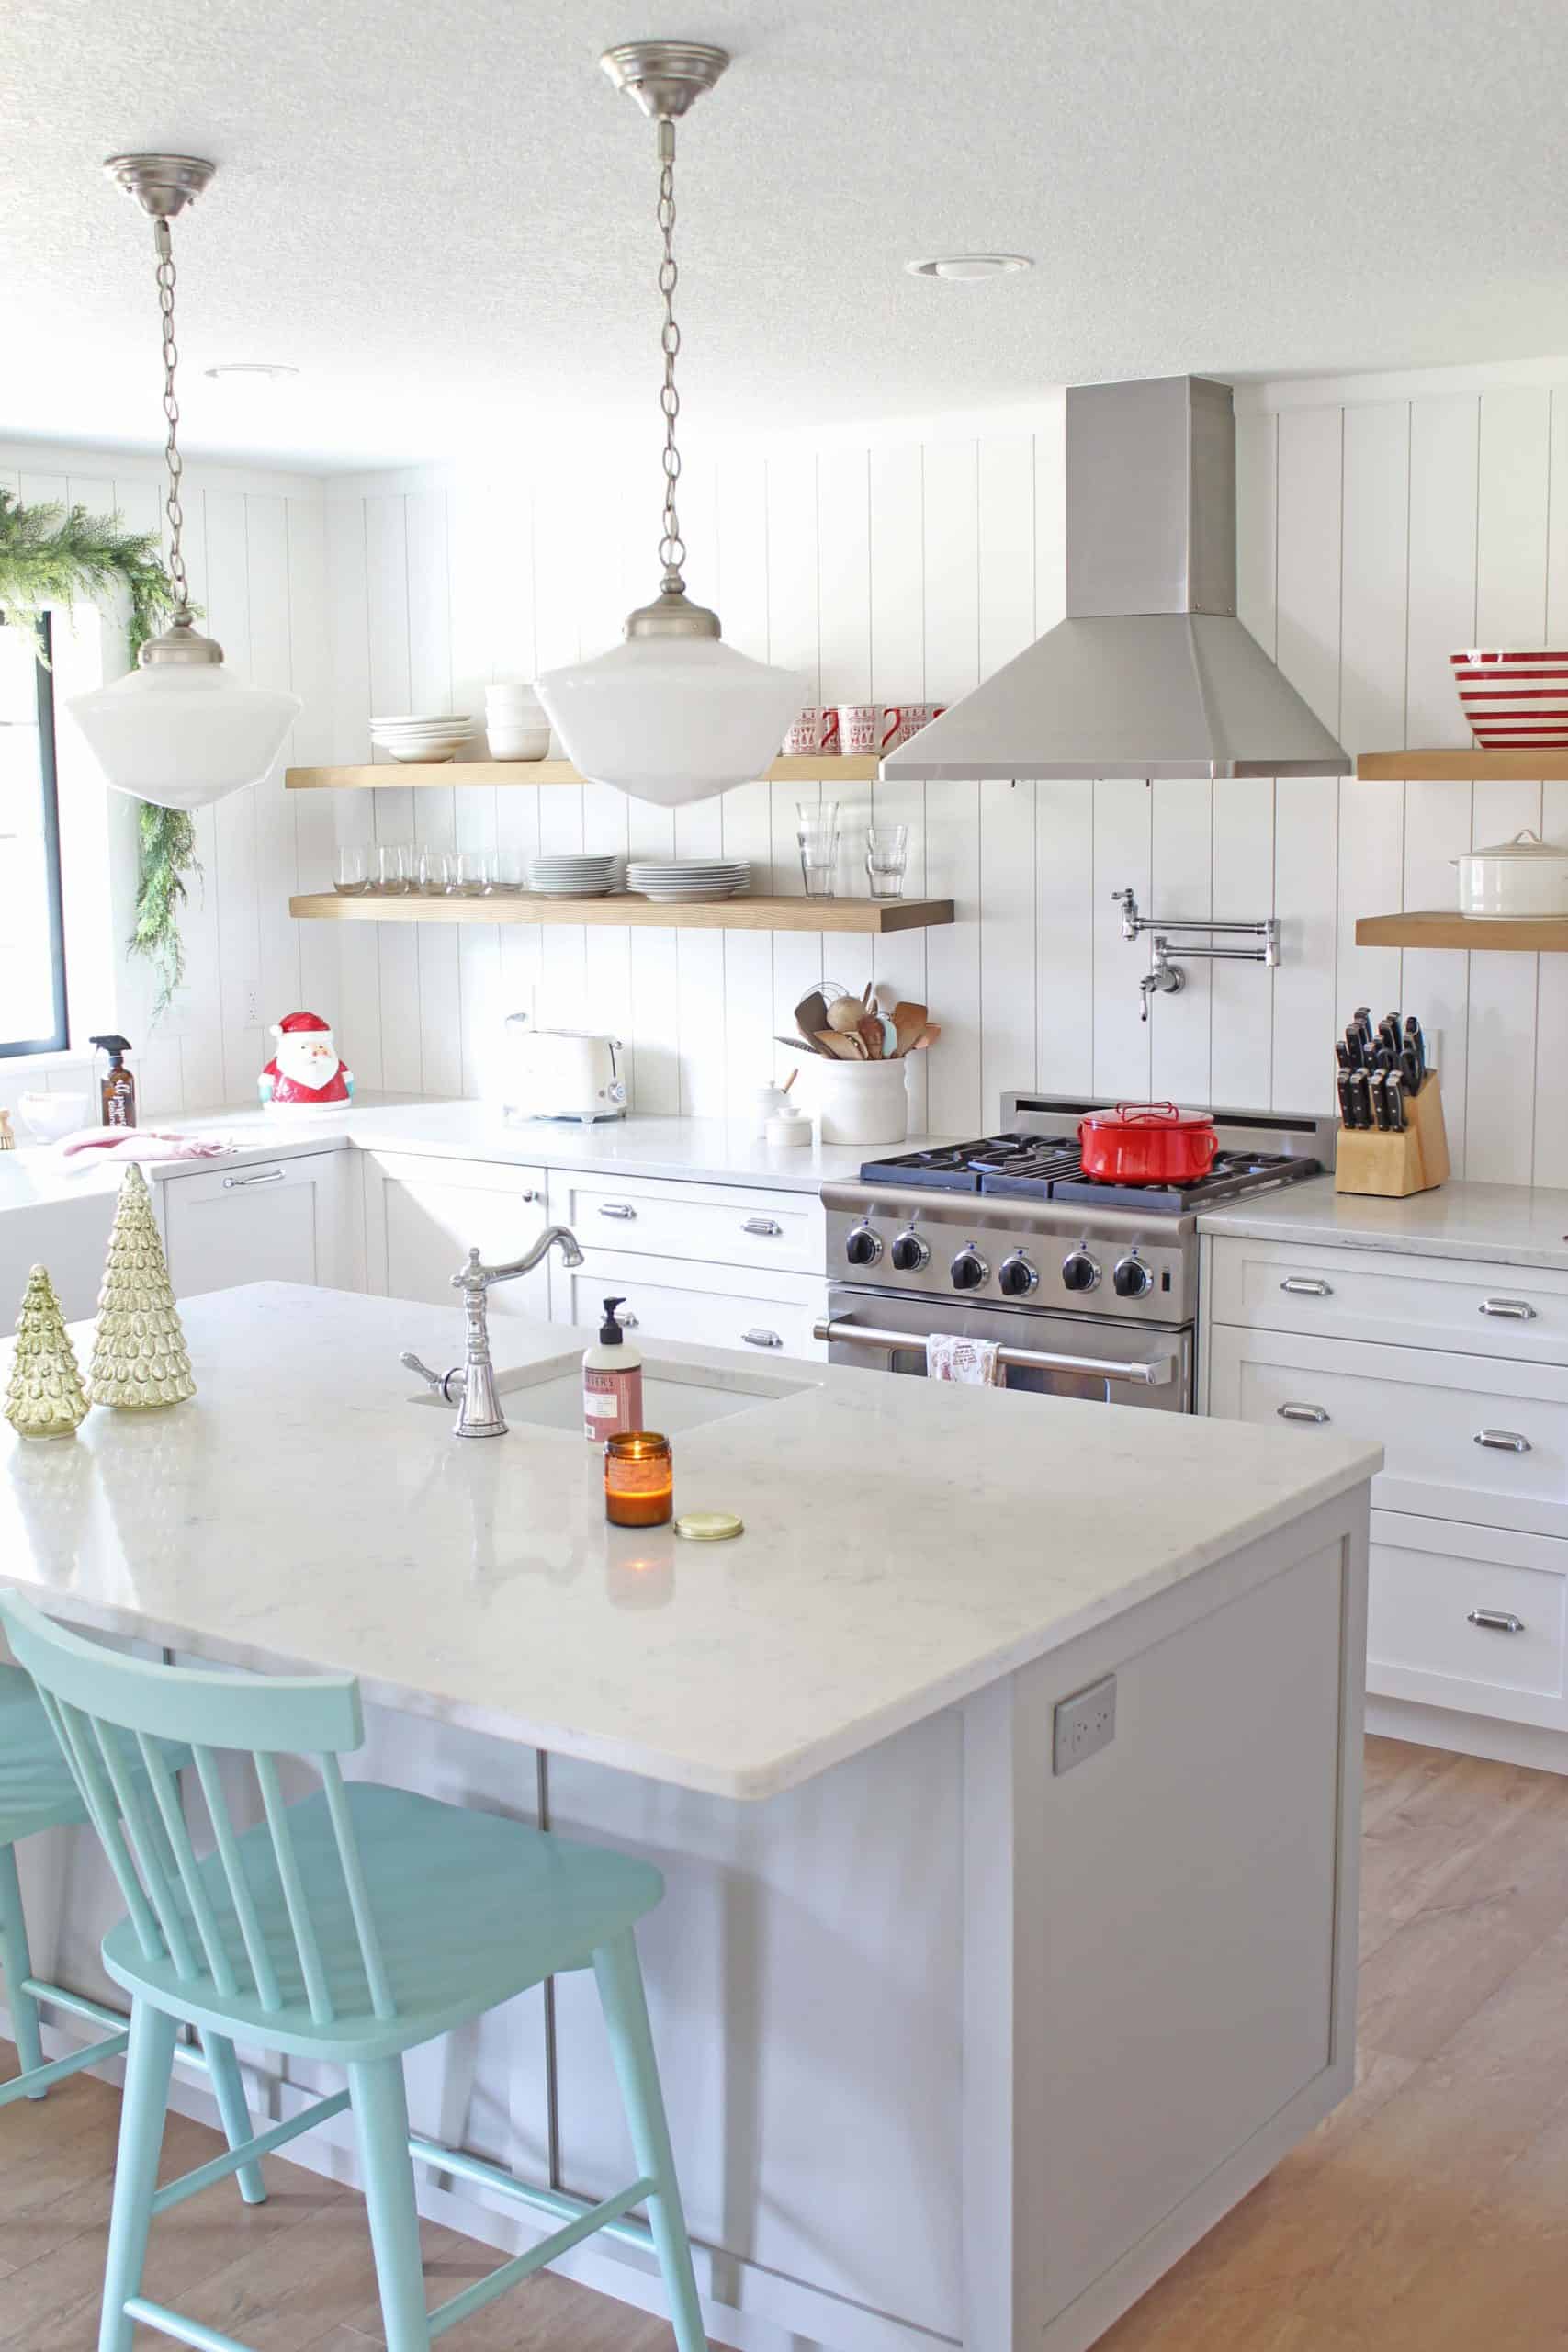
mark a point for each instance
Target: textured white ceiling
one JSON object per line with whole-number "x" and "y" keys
{"x": 439, "y": 210}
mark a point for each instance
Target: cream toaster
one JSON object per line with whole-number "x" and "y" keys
{"x": 560, "y": 1073}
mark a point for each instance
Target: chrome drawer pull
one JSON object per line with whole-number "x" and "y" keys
{"x": 1503, "y": 1441}
{"x": 263, "y": 1176}
{"x": 1302, "y": 1286}
{"x": 1301, "y": 1413}
{"x": 530, "y": 1196}
{"x": 769, "y": 1228}
{"x": 1516, "y": 1310}
{"x": 1496, "y": 1621}
{"x": 622, "y": 1209}
{"x": 758, "y": 1339}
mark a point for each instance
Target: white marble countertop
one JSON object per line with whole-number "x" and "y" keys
{"x": 905, "y": 1542}
{"x": 1507, "y": 1224}
{"x": 712, "y": 1151}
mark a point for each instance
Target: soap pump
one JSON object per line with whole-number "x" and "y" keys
{"x": 612, "y": 1381}
{"x": 118, "y": 1092}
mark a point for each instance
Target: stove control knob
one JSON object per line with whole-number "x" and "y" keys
{"x": 1079, "y": 1271}
{"x": 863, "y": 1247}
{"x": 969, "y": 1270}
{"x": 1133, "y": 1279}
{"x": 909, "y": 1253}
{"x": 1016, "y": 1277}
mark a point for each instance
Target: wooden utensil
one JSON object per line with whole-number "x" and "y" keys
{"x": 790, "y": 1080}
{"x": 811, "y": 1013}
{"x": 801, "y": 1045}
{"x": 859, "y": 1050}
{"x": 869, "y": 1030}
{"x": 844, "y": 1013}
{"x": 909, "y": 1019}
{"x": 928, "y": 1037}
{"x": 836, "y": 1048}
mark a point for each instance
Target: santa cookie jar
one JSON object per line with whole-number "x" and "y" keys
{"x": 305, "y": 1073}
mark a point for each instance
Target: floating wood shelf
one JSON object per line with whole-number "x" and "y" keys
{"x": 1464, "y": 767}
{"x": 879, "y": 916}
{"x": 447, "y": 772}
{"x": 1526, "y": 935}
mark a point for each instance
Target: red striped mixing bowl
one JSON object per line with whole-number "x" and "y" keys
{"x": 1514, "y": 700}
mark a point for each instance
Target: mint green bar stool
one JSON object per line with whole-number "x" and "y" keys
{"x": 349, "y": 1926}
{"x": 38, "y": 1792}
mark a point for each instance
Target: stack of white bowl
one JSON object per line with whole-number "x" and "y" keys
{"x": 434, "y": 736}
{"x": 516, "y": 725}
{"x": 564, "y": 874}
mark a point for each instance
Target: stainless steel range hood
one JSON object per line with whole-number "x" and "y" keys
{"x": 1151, "y": 673}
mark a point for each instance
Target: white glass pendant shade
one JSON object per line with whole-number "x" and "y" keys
{"x": 672, "y": 718}
{"x": 181, "y": 734}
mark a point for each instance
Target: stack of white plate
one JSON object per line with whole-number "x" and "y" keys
{"x": 675, "y": 881}
{"x": 516, "y": 725}
{"x": 561, "y": 876}
{"x": 432, "y": 736}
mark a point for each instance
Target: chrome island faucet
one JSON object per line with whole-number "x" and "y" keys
{"x": 479, "y": 1414}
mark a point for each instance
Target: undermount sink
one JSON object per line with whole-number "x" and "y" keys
{"x": 675, "y": 1397}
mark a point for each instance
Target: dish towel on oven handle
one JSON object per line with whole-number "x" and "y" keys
{"x": 976, "y": 1363}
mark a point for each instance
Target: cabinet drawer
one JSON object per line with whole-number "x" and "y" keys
{"x": 716, "y": 1306}
{"x": 283, "y": 1220}
{"x": 1394, "y": 1299}
{"x": 1463, "y": 1439}
{"x": 1469, "y": 1617}
{"x": 716, "y": 1224}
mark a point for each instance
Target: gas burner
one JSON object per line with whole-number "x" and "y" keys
{"x": 1048, "y": 1168}
{"x": 1232, "y": 1174}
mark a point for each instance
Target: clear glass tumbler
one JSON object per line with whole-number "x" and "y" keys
{"x": 887, "y": 856}
{"x": 817, "y": 830}
{"x": 394, "y": 871}
{"x": 352, "y": 869}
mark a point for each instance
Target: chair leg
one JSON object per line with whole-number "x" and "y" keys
{"x": 382, "y": 2128}
{"x": 636, "y": 2069}
{"x": 17, "y": 1963}
{"x": 229, "y": 2090}
{"x": 144, "y": 2104}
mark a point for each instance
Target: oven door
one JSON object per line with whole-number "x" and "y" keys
{"x": 1110, "y": 1361}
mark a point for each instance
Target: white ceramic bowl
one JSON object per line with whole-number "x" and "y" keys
{"x": 46, "y": 1117}
{"x": 1524, "y": 876}
{"x": 504, "y": 698}
{"x": 1513, "y": 698}
{"x": 509, "y": 742}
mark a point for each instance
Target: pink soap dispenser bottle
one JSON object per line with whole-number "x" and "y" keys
{"x": 612, "y": 1381}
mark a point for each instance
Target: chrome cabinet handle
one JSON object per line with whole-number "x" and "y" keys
{"x": 1304, "y": 1286}
{"x": 263, "y": 1176}
{"x": 1301, "y": 1413}
{"x": 1503, "y": 1441}
{"x": 530, "y": 1196}
{"x": 1516, "y": 1310}
{"x": 760, "y": 1339}
{"x": 622, "y": 1209}
{"x": 1496, "y": 1621}
{"x": 627, "y": 1321}
{"x": 769, "y": 1228}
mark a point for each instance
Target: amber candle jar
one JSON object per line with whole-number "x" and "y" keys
{"x": 639, "y": 1479}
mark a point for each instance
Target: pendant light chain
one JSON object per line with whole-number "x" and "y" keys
{"x": 671, "y": 546}
{"x": 172, "y": 507}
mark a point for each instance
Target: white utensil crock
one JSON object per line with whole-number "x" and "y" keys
{"x": 859, "y": 1102}
{"x": 1524, "y": 876}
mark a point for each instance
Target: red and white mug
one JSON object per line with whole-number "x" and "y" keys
{"x": 905, "y": 719}
{"x": 814, "y": 733}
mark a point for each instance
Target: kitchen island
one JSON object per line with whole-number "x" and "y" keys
{"x": 957, "y": 2045}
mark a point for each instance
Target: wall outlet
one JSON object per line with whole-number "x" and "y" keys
{"x": 1084, "y": 1725}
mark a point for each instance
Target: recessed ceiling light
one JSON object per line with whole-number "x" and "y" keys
{"x": 262, "y": 371}
{"x": 970, "y": 265}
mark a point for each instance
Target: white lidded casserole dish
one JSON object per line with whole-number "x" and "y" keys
{"x": 1524, "y": 876}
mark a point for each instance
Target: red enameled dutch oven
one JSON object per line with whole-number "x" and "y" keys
{"x": 1148, "y": 1143}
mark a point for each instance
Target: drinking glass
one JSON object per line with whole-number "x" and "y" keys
{"x": 503, "y": 871}
{"x": 886, "y": 855}
{"x": 394, "y": 873}
{"x": 817, "y": 830}
{"x": 431, "y": 871}
{"x": 352, "y": 868}
{"x": 465, "y": 873}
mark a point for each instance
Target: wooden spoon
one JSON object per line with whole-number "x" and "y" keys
{"x": 909, "y": 1019}
{"x": 928, "y": 1037}
{"x": 859, "y": 1050}
{"x": 836, "y": 1049}
{"x": 811, "y": 1013}
{"x": 869, "y": 1030}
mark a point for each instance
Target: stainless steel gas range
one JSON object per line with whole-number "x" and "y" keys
{"x": 1090, "y": 1289}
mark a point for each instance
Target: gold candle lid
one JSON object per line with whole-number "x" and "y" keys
{"x": 709, "y": 1526}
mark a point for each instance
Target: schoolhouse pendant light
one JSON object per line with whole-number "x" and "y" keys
{"x": 181, "y": 729}
{"x": 672, "y": 714}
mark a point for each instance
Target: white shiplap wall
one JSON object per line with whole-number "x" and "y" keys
{"x": 1378, "y": 530}
{"x": 255, "y": 548}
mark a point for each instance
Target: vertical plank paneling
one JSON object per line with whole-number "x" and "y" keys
{"x": 435, "y": 813}
{"x": 897, "y": 660}
{"x": 843, "y": 644}
{"x": 392, "y": 690}
{"x": 1007, "y": 583}
{"x": 951, "y": 518}
{"x": 1181, "y": 886}
{"x": 276, "y": 869}
{"x": 311, "y": 813}
{"x": 1122, "y": 855}
{"x": 1309, "y": 509}
{"x": 473, "y": 535}
{"x": 236, "y": 871}
{"x": 1065, "y": 922}
{"x": 793, "y": 644}
{"x": 1374, "y": 573}
{"x": 358, "y": 1020}
{"x": 741, "y": 528}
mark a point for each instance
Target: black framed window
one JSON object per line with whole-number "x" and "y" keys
{"x": 32, "y": 932}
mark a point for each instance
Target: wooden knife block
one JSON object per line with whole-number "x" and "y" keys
{"x": 1414, "y": 1160}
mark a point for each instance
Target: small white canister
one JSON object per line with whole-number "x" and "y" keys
{"x": 1524, "y": 876}
{"x": 860, "y": 1102}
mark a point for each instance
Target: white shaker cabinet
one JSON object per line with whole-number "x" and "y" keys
{"x": 708, "y": 1306}
{"x": 287, "y": 1220}
{"x": 423, "y": 1214}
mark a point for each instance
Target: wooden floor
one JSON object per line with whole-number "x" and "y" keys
{"x": 1428, "y": 2214}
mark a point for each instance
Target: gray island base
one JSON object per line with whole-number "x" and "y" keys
{"x": 958, "y": 2047}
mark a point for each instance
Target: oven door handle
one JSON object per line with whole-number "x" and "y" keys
{"x": 1156, "y": 1372}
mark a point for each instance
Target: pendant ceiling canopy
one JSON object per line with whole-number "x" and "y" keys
{"x": 672, "y": 714}
{"x": 180, "y": 730}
